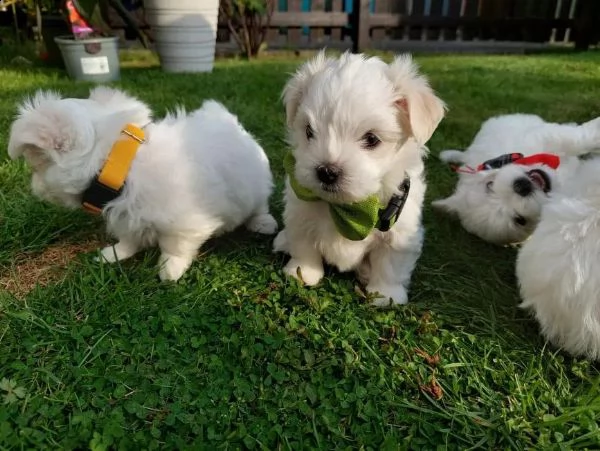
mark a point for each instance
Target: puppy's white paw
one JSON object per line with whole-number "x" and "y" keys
{"x": 310, "y": 275}
{"x": 119, "y": 251}
{"x": 264, "y": 224}
{"x": 397, "y": 294}
{"x": 451, "y": 156}
{"x": 280, "y": 243}
{"x": 172, "y": 267}
{"x": 110, "y": 254}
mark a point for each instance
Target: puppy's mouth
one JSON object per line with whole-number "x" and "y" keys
{"x": 333, "y": 189}
{"x": 540, "y": 179}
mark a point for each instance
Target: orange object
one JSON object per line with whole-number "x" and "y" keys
{"x": 79, "y": 25}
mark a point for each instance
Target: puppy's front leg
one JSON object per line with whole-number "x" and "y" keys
{"x": 306, "y": 262}
{"x": 125, "y": 248}
{"x": 390, "y": 272}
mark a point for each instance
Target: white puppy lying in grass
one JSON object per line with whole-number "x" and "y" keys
{"x": 358, "y": 127}
{"x": 502, "y": 205}
{"x": 195, "y": 176}
{"x": 558, "y": 268}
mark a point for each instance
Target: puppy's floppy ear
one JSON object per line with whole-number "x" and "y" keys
{"x": 448, "y": 205}
{"x": 420, "y": 109}
{"x": 41, "y": 125}
{"x": 295, "y": 88}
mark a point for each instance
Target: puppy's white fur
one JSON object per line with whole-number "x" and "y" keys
{"x": 558, "y": 266}
{"x": 486, "y": 202}
{"x": 342, "y": 100}
{"x": 196, "y": 176}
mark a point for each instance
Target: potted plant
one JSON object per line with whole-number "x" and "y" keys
{"x": 91, "y": 53}
{"x": 184, "y": 32}
{"x": 248, "y": 21}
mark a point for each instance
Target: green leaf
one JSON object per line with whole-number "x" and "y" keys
{"x": 19, "y": 392}
{"x": 311, "y": 393}
{"x": 7, "y": 384}
{"x": 97, "y": 443}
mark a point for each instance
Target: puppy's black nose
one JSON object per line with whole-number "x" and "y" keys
{"x": 523, "y": 186}
{"x": 328, "y": 173}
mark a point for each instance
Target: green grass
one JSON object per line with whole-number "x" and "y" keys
{"x": 236, "y": 356}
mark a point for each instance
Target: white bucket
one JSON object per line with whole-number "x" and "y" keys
{"x": 185, "y": 33}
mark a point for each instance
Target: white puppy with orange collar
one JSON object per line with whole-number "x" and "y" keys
{"x": 193, "y": 176}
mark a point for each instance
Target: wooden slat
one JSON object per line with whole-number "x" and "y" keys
{"x": 310, "y": 19}
{"x": 450, "y": 33}
{"x": 394, "y": 20}
{"x": 383, "y": 7}
{"x": 363, "y": 26}
{"x": 434, "y": 33}
{"x": 418, "y": 9}
{"x": 273, "y": 35}
{"x": 317, "y": 33}
{"x": 337, "y": 6}
{"x": 294, "y": 35}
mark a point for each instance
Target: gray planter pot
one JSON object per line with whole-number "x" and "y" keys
{"x": 185, "y": 33}
{"x": 93, "y": 59}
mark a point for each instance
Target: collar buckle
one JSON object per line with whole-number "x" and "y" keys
{"x": 134, "y": 133}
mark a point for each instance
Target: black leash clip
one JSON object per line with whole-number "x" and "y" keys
{"x": 390, "y": 214}
{"x": 498, "y": 162}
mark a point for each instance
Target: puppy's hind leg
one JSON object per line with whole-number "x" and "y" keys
{"x": 452, "y": 156}
{"x": 178, "y": 252}
{"x": 593, "y": 129}
{"x": 573, "y": 140}
{"x": 262, "y": 222}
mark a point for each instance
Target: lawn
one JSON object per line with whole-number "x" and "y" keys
{"x": 236, "y": 356}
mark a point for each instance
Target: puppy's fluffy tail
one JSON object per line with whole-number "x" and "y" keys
{"x": 217, "y": 109}
{"x": 452, "y": 156}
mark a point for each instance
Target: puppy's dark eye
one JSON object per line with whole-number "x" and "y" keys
{"x": 520, "y": 220}
{"x": 370, "y": 140}
{"x": 489, "y": 187}
{"x": 310, "y": 134}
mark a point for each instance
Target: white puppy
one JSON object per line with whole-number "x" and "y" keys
{"x": 558, "y": 266}
{"x": 503, "y": 205}
{"x": 358, "y": 128}
{"x": 196, "y": 175}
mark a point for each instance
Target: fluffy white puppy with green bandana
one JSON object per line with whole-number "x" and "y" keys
{"x": 355, "y": 184}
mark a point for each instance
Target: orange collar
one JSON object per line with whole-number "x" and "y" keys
{"x": 108, "y": 184}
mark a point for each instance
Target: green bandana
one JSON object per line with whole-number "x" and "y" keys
{"x": 353, "y": 221}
